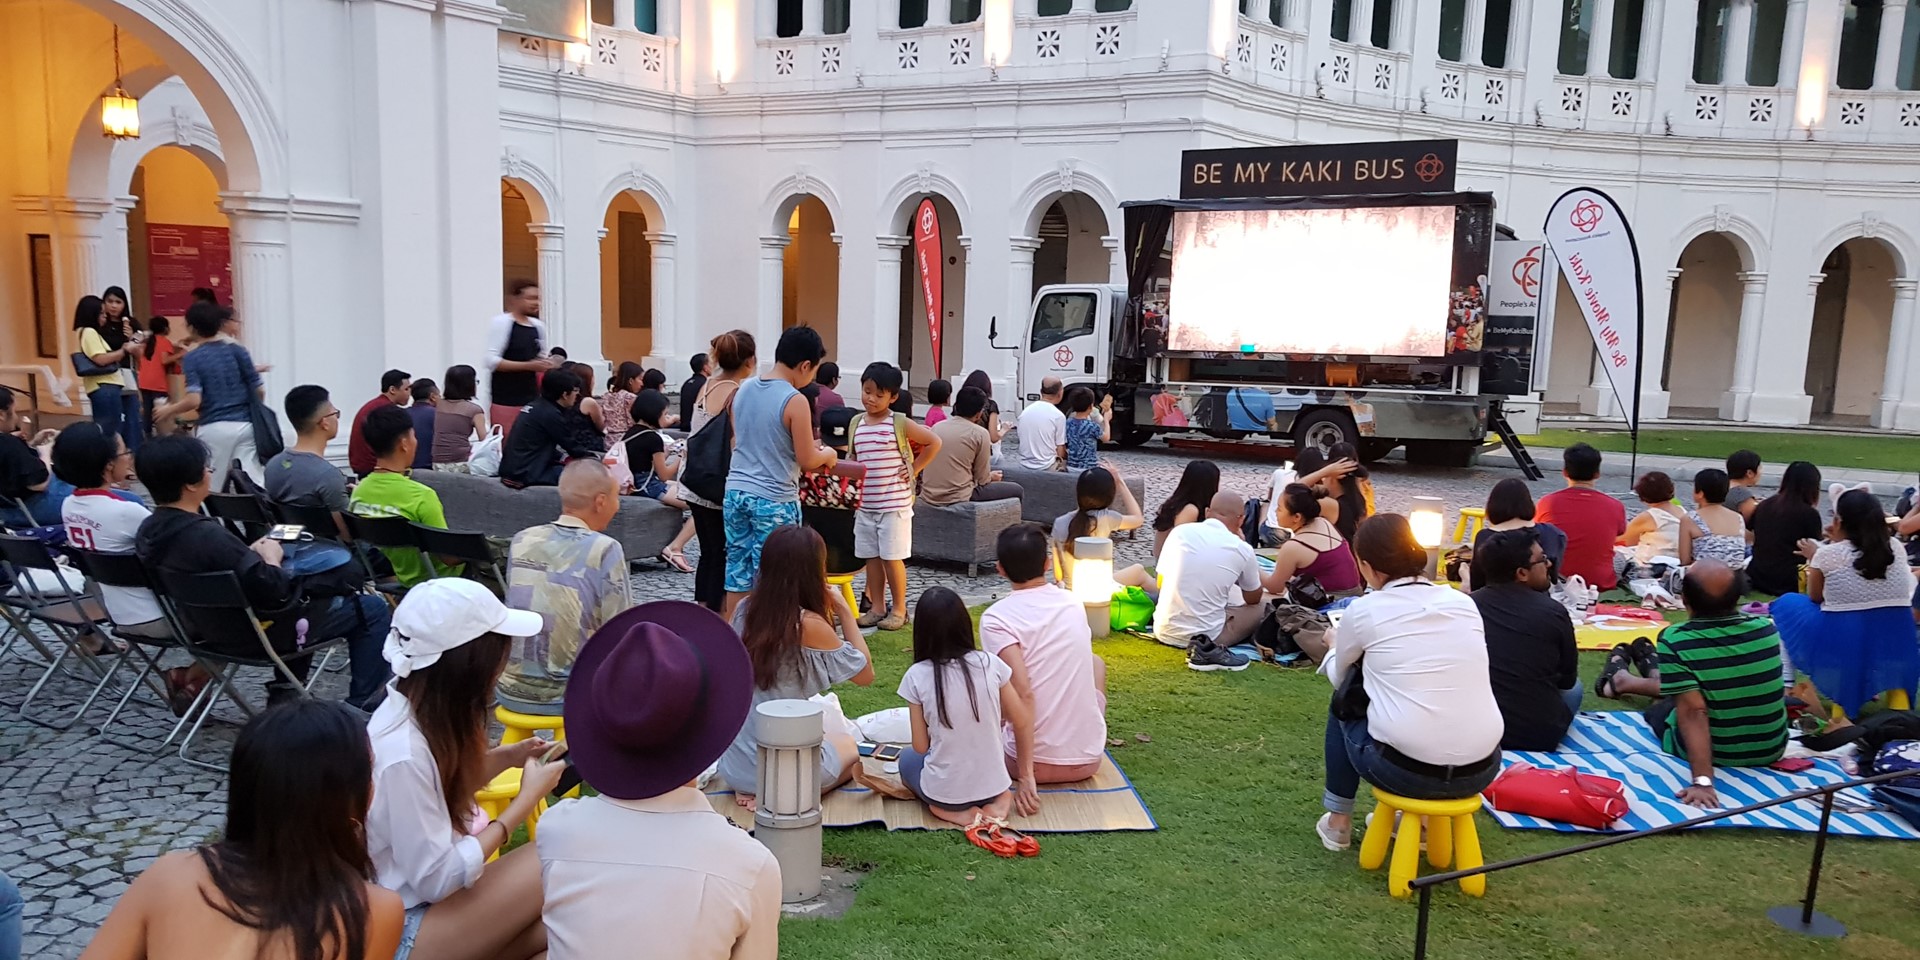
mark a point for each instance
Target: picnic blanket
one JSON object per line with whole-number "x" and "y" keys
{"x": 1107, "y": 801}
{"x": 1620, "y": 745}
{"x": 1604, "y": 633}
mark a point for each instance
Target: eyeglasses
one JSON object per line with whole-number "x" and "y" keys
{"x": 335, "y": 415}
{"x": 1543, "y": 561}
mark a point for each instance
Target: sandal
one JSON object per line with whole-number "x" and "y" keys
{"x": 676, "y": 560}
{"x": 183, "y": 689}
{"x": 1646, "y": 660}
{"x": 1618, "y": 659}
{"x": 985, "y": 835}
{"x": 1023, "y": 844}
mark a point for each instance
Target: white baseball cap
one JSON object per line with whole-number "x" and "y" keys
{"x": 444, "y": 613}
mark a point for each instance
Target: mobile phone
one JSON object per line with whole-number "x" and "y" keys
{"x": 553, "y": 751}
{"x": 287, "y": 532}
{"x": 569, "y": 781}
{"x": 887, "y": 753}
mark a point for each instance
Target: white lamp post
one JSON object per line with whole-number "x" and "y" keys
{"x": 787, "y": 818}
{"x": 1427, "y": 517}
{"x": 1093, "y": 580}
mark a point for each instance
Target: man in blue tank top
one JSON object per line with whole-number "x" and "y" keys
{"x": 773, "y": 444}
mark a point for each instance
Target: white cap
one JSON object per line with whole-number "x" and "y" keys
{"x": 442, "y": 614}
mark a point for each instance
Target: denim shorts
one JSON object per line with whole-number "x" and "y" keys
{"x": 749, "y": 519}
{"x": 410, "y": 930}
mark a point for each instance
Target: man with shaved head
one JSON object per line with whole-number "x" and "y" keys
{"x": 574, "y": 577}
{"x": 1209, "y": 587}
{"x": 1720, "y": 700}
{"x": 1043, "y": 428}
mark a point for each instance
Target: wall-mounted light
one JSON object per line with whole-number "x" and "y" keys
{"x": 723, "y": 21}
{"x": 119, "y": 113}
{"x": 997, "y": 25}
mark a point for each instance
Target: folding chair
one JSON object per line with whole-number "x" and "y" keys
{"x": 317, "y": 520}
{"x": 203, "y": 605}
{"x": 124, "y": 570}
{"x": 472, "y": 549}
{"x": 68, "y": 612}
{"x": 387, "y": 533}
{"x": 243, "y": 513}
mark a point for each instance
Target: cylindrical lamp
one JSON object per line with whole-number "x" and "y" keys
{"x": 787, "y": 819}
{"x": 1093, "y": 580}
{"x": 1427, "y": 517}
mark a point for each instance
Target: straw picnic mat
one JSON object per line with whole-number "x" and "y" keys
{"x": 1106, "y": 801}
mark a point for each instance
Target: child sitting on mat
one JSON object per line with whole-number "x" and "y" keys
{"x": 957, "y": 696}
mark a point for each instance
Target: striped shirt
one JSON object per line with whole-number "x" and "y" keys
{"x": 1735, "y": 664}
{"x": 887, "y": 488}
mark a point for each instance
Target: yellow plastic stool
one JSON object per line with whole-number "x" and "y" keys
{"x": 494, "y": 797}
{"x": 1469, "y": 524}
{"x": 1893, "y": 700}
{"x": 845, "y": 582}
{"x": 1451, "y": 836}
{"x": 522, "y": 726}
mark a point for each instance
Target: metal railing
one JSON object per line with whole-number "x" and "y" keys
{"x": 1801, "y": 920}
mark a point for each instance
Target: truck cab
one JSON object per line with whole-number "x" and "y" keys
{"x": 1070, "y": 335}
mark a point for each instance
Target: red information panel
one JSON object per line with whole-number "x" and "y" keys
{"x": 181, "y": 257}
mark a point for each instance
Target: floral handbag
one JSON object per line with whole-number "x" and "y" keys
{"x": 829, "y": 491}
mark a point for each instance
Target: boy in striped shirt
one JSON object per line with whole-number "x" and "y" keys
{"x": 894, "y": 450}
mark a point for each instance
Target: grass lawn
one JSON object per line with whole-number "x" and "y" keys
{"x": 1777, "y": 449}
{"x": 1233, "y": 775}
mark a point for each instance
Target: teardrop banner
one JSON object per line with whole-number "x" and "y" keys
{"x": 926, "y": 250}
{"x": 1595, "y": 249}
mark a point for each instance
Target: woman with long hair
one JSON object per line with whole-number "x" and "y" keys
{"x": 1779, "y": 523}
{"x": 617, "y": 406}
{"x": 428, "y": 841}
{"x": 1315, "y": 551}
{"x": 983, "y": 383}
{"x": 1343, "y": 502}
{"x": 1189, "y": 500}
{"x": 1096, "y": 494}
{"x": 802, "y": 639}
{"x": 458, "y": 419}
{"x": 1852, "y": 631}
{"x": 653, "y": 471}
{"x": 108, "y": 339}
{"x": 958, "y": 696}
{"x": 159, "y": 362}
{"x": 289, "y": 879}
{"x": 1510, "y": 507}
{"x": 732, "y": 355}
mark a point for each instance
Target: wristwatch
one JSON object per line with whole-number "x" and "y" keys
{"x": 1706, "y": 782}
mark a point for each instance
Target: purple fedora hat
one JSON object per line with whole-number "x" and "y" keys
{"x": 656, "y": 695}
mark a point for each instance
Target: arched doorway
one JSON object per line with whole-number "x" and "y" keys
{"x": 1703, "y": 327}
{"x": 916, "y": 336}
{"x": 519, "y": 255}
{"x": 1852, "y": 327}
{"x": 626, "y": 279}
{"x": 809, "y": 272}
{"x": 177, "y": 234}
{"x": 1073, "y": 233}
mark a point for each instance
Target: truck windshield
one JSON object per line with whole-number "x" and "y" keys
{"x": 1062, "y": 316}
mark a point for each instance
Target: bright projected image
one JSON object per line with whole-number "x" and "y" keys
{"x": 1370, "y": 280}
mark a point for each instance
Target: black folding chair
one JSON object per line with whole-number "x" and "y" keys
{"x": 47, "y": 594}
{"x": 126, "y": 572}
{"x": 317, "y": 520}
{"x": 472, "y": 549}
{"x": 204, "y": 605}
{"x": 384, "y": 533}
{"x": 244, "y": 514}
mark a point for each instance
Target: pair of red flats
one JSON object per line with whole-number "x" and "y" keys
{"x": 994, "y": 836}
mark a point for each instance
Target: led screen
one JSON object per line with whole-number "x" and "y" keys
{"x": 1366, "y": 280}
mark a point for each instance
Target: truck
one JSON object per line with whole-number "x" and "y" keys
{"x": 1274, "y": 301}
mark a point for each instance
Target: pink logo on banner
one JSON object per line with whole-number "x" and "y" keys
{"x": 1586, "y": 216}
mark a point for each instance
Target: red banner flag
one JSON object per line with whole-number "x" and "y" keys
{"x": 926, "y": 249}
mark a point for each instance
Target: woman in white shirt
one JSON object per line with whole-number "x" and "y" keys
{"x": 1661, "y": 530}
{"x": 1431, "y": 729}
{"x": 428, "y": 840}
{"x": 957, "y": 766}
{"x": 1852, "y": 631}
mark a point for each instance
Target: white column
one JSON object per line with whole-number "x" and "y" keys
{"x": 1886, "y": 59}
{"x": 1013, "y": 326}
{"x": 1814, "y": 72}
{"x": 263, "y": 288}
{"x": 1473, "y": 31}
{"x": 666, "y": 304}
{"x": 1746, "y": 350}
{"x": 115, "y": 263}
{"x": 766, "y": 18}
{"x": 886, "y": 297}
{"x": 773, "y": 272}
{"x": 1670, "y": 67}
{"x": 1793, "y": 40}
{"x": 549, "y": 244}
{"x": 1780, "y": 375}
{"x": 1360, "y": 23}
{"x": 1906, "y": 414}
{"x": 812, "y": 18}
{"x": 1536, "y": 43}
{"x": 78, "y": 251}
{"x": 1598, "y": 400}
{"x": 1079, "y": 6}
{"x": 1600, "y": 39}
{"x": 1651, "y": 38}
{"x": 939, "y": 13}
{"x": 1654, "y": 395}
{"x": 1893, "y": 384}
{"x": 623, "y": 15}
{"x": 1738, "y": 51}
{"x": 1401, "y": 25}
{"x": 1116, "y": 260}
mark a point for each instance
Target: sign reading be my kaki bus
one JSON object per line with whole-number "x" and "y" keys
{"x": 1319, "y": 170}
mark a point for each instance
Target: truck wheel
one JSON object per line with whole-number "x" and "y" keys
{"x": 1136, "y": 437}
{"x": 1374, "y": 451}
{"x": 1441, "y": 453}
{"x": 1321, "y": 429}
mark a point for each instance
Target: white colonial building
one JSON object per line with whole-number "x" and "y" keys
{"x": 668, "y": 169}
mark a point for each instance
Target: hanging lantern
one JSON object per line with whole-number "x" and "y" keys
{"x": 119, "y": 113}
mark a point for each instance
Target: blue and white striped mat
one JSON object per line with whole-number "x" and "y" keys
{"x": 1620, "y": 745}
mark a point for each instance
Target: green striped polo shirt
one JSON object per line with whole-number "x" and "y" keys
{"x": 1735, "y": 664}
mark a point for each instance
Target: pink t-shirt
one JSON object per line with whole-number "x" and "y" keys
{"x": 1050, "y": 628}
{"x": 935, "y": 415}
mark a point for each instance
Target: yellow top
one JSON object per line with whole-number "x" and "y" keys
{"x": 93, "y": 344}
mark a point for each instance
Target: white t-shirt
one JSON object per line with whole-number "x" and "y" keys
{"x": 1050, "y": 628}
{"x": 1043, "y": 429}
{"x": 1423, "y": 651}
{"x": 1849, "y": 589}
{"x": 965, "y": 762}
{"x": 105, "y": 523}
{"x": 1204, "y": 569}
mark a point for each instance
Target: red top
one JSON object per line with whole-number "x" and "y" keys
{"x": 359, "y": 454}
{"x": 1592, "y": 521}
{"x": 153, "y": 374}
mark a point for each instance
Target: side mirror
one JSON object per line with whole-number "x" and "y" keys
{"x": 993, "y": 328}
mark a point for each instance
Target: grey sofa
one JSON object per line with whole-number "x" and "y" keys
{"x": 1048, "y": 494}
{"x": 484, "y": 505}
{"x": 962, "y": 532}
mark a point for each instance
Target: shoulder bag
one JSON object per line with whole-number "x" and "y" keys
{"x": 268, "y": 441}
{"x": 710, "y": 457}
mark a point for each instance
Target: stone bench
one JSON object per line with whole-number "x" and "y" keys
{"x": 1049, "y": 493}
{"x": 643, "y": 526}
{"x": 966, "y": 532}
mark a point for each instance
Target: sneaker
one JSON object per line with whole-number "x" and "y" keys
{"x": 1206, "y": 655}
{"x": 1333, "y": 841}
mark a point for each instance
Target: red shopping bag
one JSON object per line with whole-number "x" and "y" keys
{"x": 1563, "y": 794}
